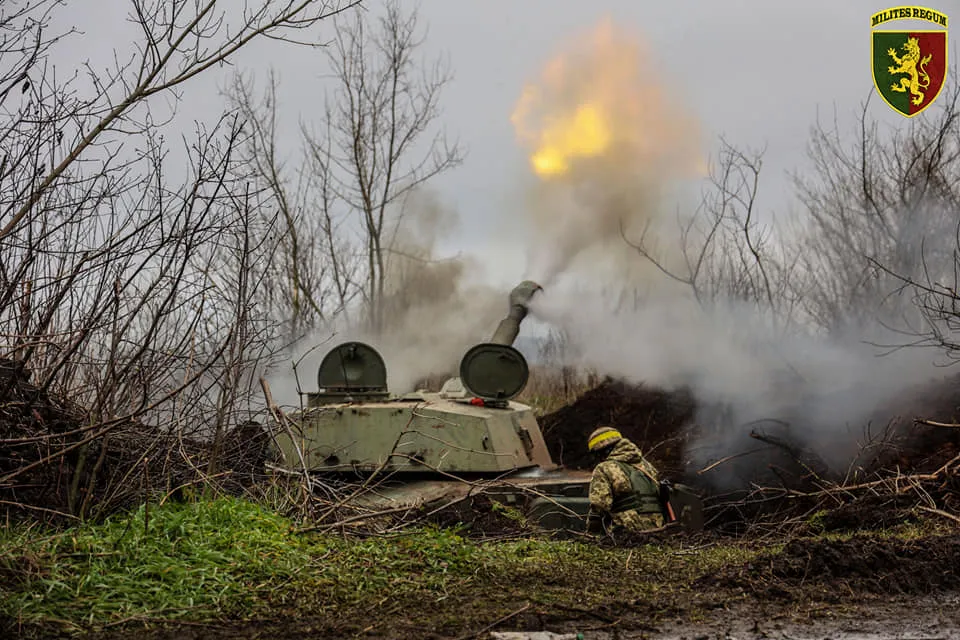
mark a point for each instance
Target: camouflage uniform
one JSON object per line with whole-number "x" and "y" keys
{"x": 610, "y": 481}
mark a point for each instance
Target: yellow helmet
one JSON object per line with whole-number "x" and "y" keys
{"x": 602, "y": 438}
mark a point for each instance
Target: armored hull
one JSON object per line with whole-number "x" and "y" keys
{"x": 427, "y": 449}
{"x": 418, "y": 433}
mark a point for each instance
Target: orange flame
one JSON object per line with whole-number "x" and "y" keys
{"x": 600, "y": 99}
{"x": 584, "y": 134}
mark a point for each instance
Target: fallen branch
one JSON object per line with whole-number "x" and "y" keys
{"x": 366, "y": 486}
{"x": 729, "y": 458}
{"x": 495, "y": 624}
{"x": 358, "y": 518}
{"x": 22, "y": 505}
{"x": 932, "y": 423}
{"x": 281, "y": 419}
{"x": 940, "y": 512}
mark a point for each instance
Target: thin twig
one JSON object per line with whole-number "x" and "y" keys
{"x": 931, "y": 423}
{"x": 940, "y": 512}
{"x": 729, "y": 458}
{"x": 362, "y": 516}
{"x": 281, "y": 419}
{"x": 493, "y": 625}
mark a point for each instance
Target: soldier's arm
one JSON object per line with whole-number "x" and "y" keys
{"x": 601, "y": 501}
{"x": 601, "y": 492}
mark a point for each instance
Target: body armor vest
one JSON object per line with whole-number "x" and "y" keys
{"x": 645, "y": 494}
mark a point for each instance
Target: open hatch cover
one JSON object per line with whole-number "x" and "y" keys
{"x": 352, "y": 366}
{"x": 493, "y": 371}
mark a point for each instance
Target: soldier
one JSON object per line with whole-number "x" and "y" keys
{"x": 624, "y": 487}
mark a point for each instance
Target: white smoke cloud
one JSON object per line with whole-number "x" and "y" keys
{"x": 623, "y": 317}
{"x": 827, "y": 390}
{"x": 609, "y": 142}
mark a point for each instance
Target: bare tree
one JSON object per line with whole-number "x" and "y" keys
{"x": 881, "y": 211}
{"x": 107, "y": 305}
{"x": 726, "y": 253}
{"x": 342, "y": 207}
{"x": 125, "y": 288}
{"x": 181, "y": 39}
{"x": 873, "y": 246}
{"x": 370, "y": 152}
{"x": 314, "y": 276}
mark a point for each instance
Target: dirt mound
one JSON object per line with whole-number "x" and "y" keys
{"x": 869, "y": 564}
{"x": 58, "y": 461}
{"x": 656, "y": 420}
{"x": 872, "y": 511}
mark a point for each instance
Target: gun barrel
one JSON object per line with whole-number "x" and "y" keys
{"x": 520, "y": 298}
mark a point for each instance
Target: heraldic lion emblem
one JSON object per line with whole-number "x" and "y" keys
{"x": 911, "y": 63}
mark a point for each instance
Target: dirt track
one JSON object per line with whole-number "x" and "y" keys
{"x": 871, "y": 619}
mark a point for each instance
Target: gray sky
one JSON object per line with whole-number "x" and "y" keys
{"x": 756, "y": 71}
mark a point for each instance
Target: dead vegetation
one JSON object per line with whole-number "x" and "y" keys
{"x": 910, "y": 473}
{"x": 55, "y": 468}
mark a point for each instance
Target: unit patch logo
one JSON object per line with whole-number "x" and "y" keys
{"x": 909, "y": 67}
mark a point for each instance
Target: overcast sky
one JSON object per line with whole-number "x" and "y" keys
{"x": 756, "y": 71}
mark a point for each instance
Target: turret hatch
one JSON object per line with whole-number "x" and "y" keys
{"x": 352, "y": 371}
{"x": 494, "y": 372}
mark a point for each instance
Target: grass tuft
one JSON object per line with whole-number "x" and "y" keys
{"x": 172, "y": 561}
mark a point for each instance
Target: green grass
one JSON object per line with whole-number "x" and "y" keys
{"x": 427, "y": 562}
{"x": 230, "y": 558}
{"x": 171, "y": 561}
{"x": 222, "y": 558}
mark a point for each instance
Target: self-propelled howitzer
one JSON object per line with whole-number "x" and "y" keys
{"x": 422, "y": 444}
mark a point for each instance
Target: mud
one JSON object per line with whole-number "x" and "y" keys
{"x": 870, "y": 619}
{"x": 862, "y": 587}
{"x": 858, "y": 565}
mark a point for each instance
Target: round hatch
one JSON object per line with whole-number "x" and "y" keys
{"x": 494, "y": 371}
{"x": 354, "y": 366}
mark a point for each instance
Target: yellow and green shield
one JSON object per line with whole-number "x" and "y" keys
{"x": 909, "y": 68}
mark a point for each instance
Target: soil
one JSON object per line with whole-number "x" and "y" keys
{"x": 921, "y": 448}
{"x": 874, "y": 619}
{"x": 656, "y": 420}
{"x": 861, "y": 564}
